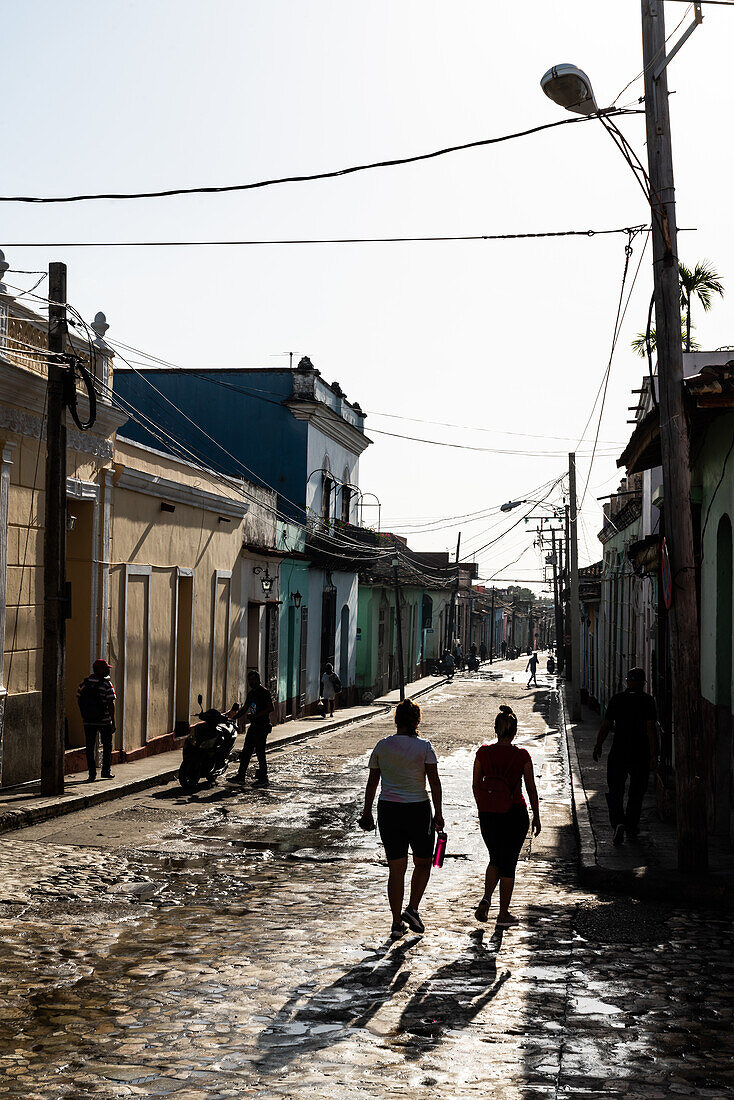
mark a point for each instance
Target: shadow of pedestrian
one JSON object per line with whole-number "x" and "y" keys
{"x": 451, "y": 998}
{"x": 312, "y": 1019}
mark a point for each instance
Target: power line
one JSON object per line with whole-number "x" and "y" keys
{"x": 320, "y": 240}
{"x": 469, "y": 447}
{"x": 476, "y": 428}
{"x": 333, "y": 174}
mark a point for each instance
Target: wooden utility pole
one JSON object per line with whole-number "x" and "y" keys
{"x": 557, "y": 604}
{"x": 491, "y": 630}
{"x": 454, "y": 599}
{"x": 399, "y": 625}
{"x": 675, "y": 447}
{"x": 574, "y": 613}
{"x": 54, "y": 544}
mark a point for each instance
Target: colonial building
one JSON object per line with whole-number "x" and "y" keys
{"x": 291, "y": 432}
{"x": 165, "y": 562}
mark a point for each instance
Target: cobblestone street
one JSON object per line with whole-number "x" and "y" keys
{"x": 235, "y": 943}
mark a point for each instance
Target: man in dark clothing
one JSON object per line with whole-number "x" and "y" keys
{"x": 256, "y": 711}
{"x": 482, "y": 652}
{"x": 96, "y": 699}
{"x": 633, "y": 753}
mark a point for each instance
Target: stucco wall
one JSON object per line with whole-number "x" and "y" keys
{"x": 242, "y": 411}
{"x": 707, "y": 473}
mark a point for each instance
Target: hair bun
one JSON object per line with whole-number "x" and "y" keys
{"x": 504, "y": 709}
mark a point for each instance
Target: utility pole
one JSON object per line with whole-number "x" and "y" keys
{"x": 561, "y": 625}
{"x": 675, "y": 447}
{"x": 574, "y": 610}
{"x": 399, "y": 624}
{"x": 54, "y": 545}
{"x": 557, "y": 603}
{"x": 454, "y": 598}
{"x": 491, "y": 630}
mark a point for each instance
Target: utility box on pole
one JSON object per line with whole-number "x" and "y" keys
{"x": 54, "y": 544}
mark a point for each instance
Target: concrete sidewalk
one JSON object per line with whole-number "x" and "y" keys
{"x": 648, "y": 867}
{"x": 25, "y": 805}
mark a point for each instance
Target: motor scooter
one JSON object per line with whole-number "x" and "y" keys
{"x": 472, "y": 662}
{"x": 206, "y": 749}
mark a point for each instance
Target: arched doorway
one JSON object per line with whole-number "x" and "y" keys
{"x": 344, "y": 648}
{"x": 723, "y": 751}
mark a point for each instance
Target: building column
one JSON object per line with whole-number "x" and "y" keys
{"x": 105, "y": 563}
{"x": 7, "y": 462}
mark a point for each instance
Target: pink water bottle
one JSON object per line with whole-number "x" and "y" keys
{"x": 440, "y": 852}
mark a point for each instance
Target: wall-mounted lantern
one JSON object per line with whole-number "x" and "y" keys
{"x": 265, "y": 579}
{"x": 296, "y": 597}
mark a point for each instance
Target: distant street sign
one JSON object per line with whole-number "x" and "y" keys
{"x": 665, "y": 578}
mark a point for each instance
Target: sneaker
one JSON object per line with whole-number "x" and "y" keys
{"x": 619, "y": 835}
{"x": 398, "y": 930}
{"x": 236, "y": 778}
{"x": 107, "y": 775}
{"x": 411, "y": 918}
{"x": 262, "y": 783}
{"x": 91, "y": 779}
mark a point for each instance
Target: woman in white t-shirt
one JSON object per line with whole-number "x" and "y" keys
{"x": 402, "y": 763}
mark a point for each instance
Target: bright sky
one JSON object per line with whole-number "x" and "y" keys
{"x": 509, "y": 339}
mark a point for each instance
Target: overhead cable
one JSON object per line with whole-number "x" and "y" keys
{"x": 306, "y": 178}
{"x": 320, "y": 240}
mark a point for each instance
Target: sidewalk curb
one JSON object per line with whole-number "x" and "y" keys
{"x": 579, "y": 801}
{"x": 22, "y": 818}
{"x": 651, "y": 884}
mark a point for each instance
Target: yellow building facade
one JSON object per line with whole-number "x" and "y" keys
{"x": 160, "y": 566}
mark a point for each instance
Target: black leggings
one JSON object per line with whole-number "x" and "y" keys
{"x": 504, "y": 835}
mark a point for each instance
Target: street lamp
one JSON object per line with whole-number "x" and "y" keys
{"x": 570, "y": 87}
{"x": 265, "y": 579}
{"x": 510, "y": 504}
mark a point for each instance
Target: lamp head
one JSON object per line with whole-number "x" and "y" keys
{"x": 570, "y": 87}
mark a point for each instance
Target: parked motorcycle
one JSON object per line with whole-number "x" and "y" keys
{"x": 473, "y": 662}
{"x": 206, "y": 749}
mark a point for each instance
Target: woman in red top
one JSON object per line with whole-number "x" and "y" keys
{"x": 499, "y": 770}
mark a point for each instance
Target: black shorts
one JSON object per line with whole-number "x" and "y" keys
{"x": 405, "y": 825}
{"x": 504, "y": 835}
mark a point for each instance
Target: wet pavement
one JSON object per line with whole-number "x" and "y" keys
{"x": 235, "y": 944}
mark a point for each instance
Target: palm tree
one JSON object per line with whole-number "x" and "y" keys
{"x": 702, "y": 283}
{"x": 638, "y": 344}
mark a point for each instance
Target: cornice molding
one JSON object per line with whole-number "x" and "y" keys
{"x": 140, "y": 481}
{"x": 26, "y": 391}
{"x": 327, "y": 421}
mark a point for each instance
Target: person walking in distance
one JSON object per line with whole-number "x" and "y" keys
{"x": 328, "y": 691}
{"x": 96, "y": 699}
{"x": 256, "y": 711}
{"x": 499, "y": 771}
{"x": 633, "y": 753}
{"x": 401, "y": 764}
{"x": 532, "y": 665}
